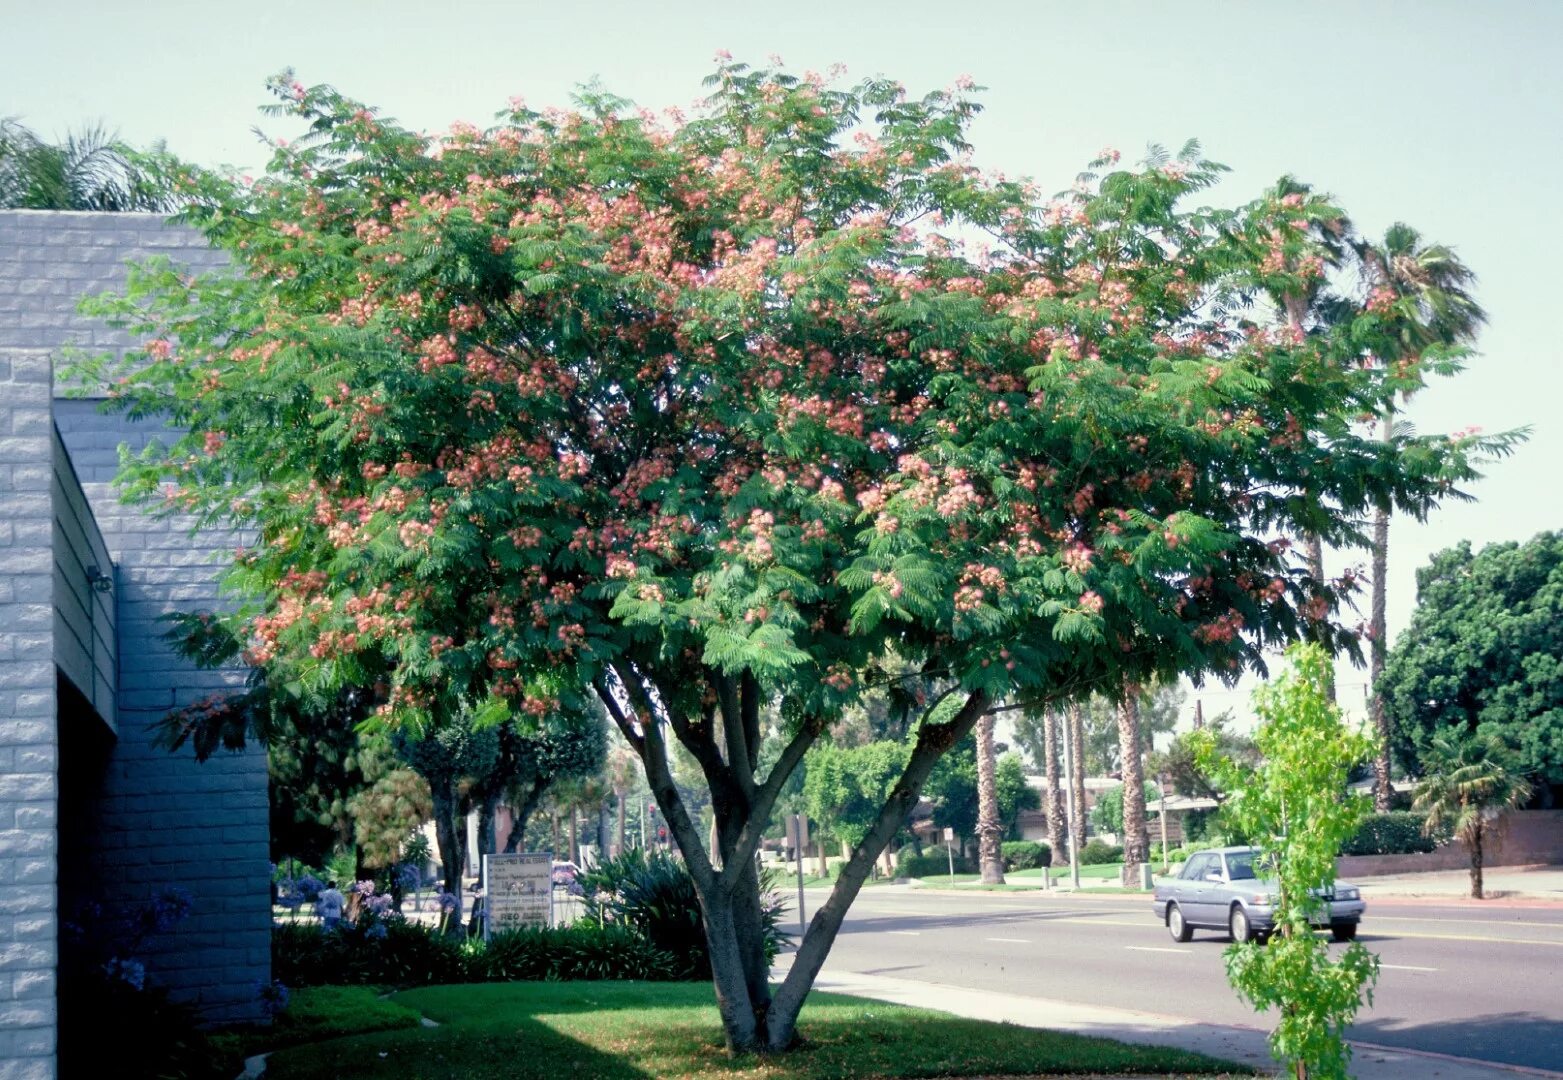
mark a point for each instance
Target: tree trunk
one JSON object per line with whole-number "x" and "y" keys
{"x": 1077, "y": 774}
{"x": 990, "y": 833}
{"x": 575, "y": 835}
{"x": 623, "y": 811}
{"x": 933, "y": 741}
{"x": 1476, "y": 861}
{"x": 445, "y": 839}
{"x": 1378, "y": 644}
{"x": 1136, "y": 841}
{"x": 555, "y": 837}
{"x": 488, "y": 812}
{"x": 1057, "y": 823}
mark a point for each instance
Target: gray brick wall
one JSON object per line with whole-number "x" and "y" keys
{"x": 159, "y": 819}
{"x": 29, "y": 743}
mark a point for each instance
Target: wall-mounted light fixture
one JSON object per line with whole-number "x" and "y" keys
{"x": 100, "y": 581}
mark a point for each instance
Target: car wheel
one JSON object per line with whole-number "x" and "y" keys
{"x": 1180, "y": 930}
{"x": 1344, "y": 931}
{"x": 1242, "y": 929}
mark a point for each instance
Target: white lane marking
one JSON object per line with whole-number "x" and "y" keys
{"x": 1149, "y": 948}
{"x": 906, "y": 933}
{"x": 1010, "y": 940}
{"x": 1405, "y": 967}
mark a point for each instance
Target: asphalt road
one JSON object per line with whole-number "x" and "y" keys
{"x": 1484, "y": 984}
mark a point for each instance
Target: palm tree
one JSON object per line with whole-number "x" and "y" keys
{"x": 1423, "y": 293}
{"x": 1307, "y": 305}
{"x": 1077, "y": 775}
{"x": 1472, "y": 778}
{"x": 1136, "y": 840}
{"x": 90, "y": 170}
{"x": 990, "y": 831}
{"x": 1056, "y": 817}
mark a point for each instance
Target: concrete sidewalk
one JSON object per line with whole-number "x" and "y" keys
{"x": 1238, "y": 1044}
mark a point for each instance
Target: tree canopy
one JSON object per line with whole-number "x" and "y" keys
{"x": 1484, "y": 652}
{"x": 706, "y": 413}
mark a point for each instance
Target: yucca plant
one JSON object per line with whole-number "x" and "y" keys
{"x": 652, "y": 892}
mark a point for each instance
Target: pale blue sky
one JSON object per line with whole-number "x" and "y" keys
{"x": 1445, "y": 115}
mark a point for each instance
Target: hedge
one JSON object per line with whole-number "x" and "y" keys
{"x": 931, "y": 864}
{"x": 1096, "y": 853}
{"x": 1026, "y": 855}
{"x": 1397, "y": 832}
{"x": 406, "y": 954}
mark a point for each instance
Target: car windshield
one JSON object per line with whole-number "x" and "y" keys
{"x": 1241, "y": 866}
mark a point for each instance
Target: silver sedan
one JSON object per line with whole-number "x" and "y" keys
{"x": 1221, "y": 889}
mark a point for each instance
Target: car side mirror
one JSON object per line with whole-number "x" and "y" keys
{"x": 1214, "y": 875}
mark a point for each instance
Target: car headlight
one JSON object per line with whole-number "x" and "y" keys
{"x": 1348, "y": 894}
{"x": 1263, "y": 899}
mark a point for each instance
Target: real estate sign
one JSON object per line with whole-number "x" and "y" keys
{"x": 518, "y": 890}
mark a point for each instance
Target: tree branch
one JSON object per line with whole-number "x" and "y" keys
{"x": 764, "y": 800}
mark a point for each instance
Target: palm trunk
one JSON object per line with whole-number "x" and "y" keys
{"x": 1056, "y": 815}
{"x": 990, "y": 833}
{"x": 575, "y": 835}
{"x": 1314, "y": 547}
{"x": 1077, "y": 774}
{"x": 1378, "y": 644}
{"x": 1476, "y": 861}
{"x": 1136, "y": 841}
{"x": 623, "y": 812}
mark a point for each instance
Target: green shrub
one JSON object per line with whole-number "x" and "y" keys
{"x": 575, "y": 952}
{"x": 1395, "y": 833}
{"x": 389, "y": 952}
{"x": 652, "y": 893}
{"x": 1096, "y": 853}
{"x": 932, "y": 863}
{"x": 406, "y": 954}
{"x": 1026, "y": 855}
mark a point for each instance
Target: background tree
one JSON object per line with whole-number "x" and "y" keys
{"x": 448, "y": 757}
{"x": 845, "y": 788}
{"x": 725, "y": 415}
{"x": 954, "y": 784}
{"x": 1102, "y": 750}
{"x": 1484, "y": 652}
{"x": 566, "y": 745}
{"x": 1296, "y": 806}
{"x": 1422, "y": 295}
{"x": 1107, "y": 815}
{"x": 387, "y": 813}
{"x": 1471, "y": 779}
{"x": 90, "y": 170}
{"x": 1037, "y": 732}
{"x": 1180, "y": 762}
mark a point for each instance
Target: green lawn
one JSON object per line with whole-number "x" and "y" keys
{"x": 640, "y": 1031}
